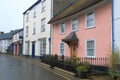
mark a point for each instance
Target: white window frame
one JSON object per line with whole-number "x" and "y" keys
{"x": 34, "y": 12}
{"x": 86, "y": 15}
{"x": 94, "y": 48}
{"x": 63, "y": 23}
{"x": 27, "y": 47}
{"x": 34, "y": 28}
{"x": 42, "y": 47}
{"x": 43, "y": 5}
{"x": 43, "y": 24}
{"x": 27, "y": 30}
{"x": 27, "y": 16}
{"x": 62, "y": 48}
{"x": 72, "y": 24}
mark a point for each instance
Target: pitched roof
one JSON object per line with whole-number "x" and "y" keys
{"x": 59, "y": 5}
{"x": 9, "y": 35}
{"x": 32, "y": 6}
{"x": 73, "y": 8}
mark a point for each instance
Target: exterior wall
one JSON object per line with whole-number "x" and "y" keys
{"x": 4, "y": 45}
{"x": 116, "y": 9}
{"x": 17, "y": 41}
{"x": 38, "y": 35}
{"x": 101, "y": 33}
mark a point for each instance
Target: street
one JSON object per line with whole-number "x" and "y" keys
{"x": 12, "y": 68}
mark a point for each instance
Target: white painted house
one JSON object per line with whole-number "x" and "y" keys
{"x": 36, "y": 30}
{"x": 116, "y": 22}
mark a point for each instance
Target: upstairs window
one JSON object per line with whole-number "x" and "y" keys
{"x": 62, "y": 28}
{"x": 34, "y": 13}
{"x": 27, "y": 17}
{"x": 34, "y": 28}
{"x": 43, "y": 25}
{"x": 43, "y": 5}
{"x": 27, "y": 31}
{"x": 74, "y": 24}
{"x": 90, "y": 19}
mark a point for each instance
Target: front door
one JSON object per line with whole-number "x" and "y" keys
{"x": 73, "y": 50}
{"x": 33, "y": 49}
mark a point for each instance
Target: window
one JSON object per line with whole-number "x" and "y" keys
{"x": 27, "y": 31}
{"x": 27, "y": 17}
{"x": 90, "y": 19}
{"x": 27, "y": 47}
{"x": 62, "y": 28}
{"x": 34, "y": 13}
{"x": 34, "y": 28}
{"x": 43, "y": 46}
{"x": 74, "y": 24}
{"x": 43, "y": 5}
{"x": 90, "y": 48}
{"x": 43, "y": 25}
{"x": 62, "y": 48}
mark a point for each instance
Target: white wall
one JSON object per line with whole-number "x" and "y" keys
{"x": 117, "y": 22}
{"x": 3, "y": 45}
{"x": 39, "y": 16}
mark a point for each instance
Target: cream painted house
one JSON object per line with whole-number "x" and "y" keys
{"x": 36, "y": 30}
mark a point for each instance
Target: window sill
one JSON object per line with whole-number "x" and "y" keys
{"x": 91, "y": 27}
{"x": 62, "y": 33}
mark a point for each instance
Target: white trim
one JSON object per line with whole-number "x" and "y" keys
{"x": 64, "y": 27}
{"x": 59, "y": 48}
{"x": 71, "y": 24}
{"x": 86, "y": 20}
{"x": 94, "y": 48}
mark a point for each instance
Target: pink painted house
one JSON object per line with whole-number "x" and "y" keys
{"x": 83, "y": 29}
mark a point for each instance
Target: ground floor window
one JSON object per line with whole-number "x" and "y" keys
{"x": 62, "y": 48}
{"x": 27, "y": 47}
{"x": 42, "y": 46}
{"x": 90, "y": 48}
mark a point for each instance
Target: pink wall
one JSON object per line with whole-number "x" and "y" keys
{"x": 101, "y": 33}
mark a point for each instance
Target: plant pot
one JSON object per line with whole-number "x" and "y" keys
{"x": 82, "y": 74}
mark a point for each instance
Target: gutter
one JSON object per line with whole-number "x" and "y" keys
{"x": 113, "y": 36}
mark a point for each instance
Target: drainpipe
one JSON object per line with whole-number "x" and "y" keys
{"x": 113, "y": 37}
{"x": 50, "y": 39}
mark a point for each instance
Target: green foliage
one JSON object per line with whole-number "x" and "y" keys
{"x": 114, "y": 61}
{"x": 83, "y": 67}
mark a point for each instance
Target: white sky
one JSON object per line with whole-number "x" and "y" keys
{"x": 11, "y": 13}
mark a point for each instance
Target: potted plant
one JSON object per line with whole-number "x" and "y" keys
{"x": 82, "y": 69}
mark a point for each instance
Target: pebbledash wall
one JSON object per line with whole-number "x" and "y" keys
{"x": 116, "y": 23}
{"x": 36, "y": 29}
{"x": 100, "y": 33}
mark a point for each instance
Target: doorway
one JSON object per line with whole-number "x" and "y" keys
{"x": 33, "y": 49}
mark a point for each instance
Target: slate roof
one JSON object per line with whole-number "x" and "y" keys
{"x": 9, "y": 35}
{"x": 37, "y": 2}
{"x": 73, "y": 8}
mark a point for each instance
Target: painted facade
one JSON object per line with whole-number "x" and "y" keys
{"x": 36, "y": 30}
{"x": 116, "y": 23}
{"x": 17, "y": 41}
{"x": 92, "y": 28}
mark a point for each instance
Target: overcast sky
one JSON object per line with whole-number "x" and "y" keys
{"x": 11, "y": 13}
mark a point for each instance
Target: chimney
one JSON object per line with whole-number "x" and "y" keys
{"x": 1, "y": 33}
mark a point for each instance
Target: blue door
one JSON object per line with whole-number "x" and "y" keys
{"x": 33, "y": 49}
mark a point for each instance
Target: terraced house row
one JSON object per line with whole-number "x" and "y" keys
{"x": 82, "y": 28}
